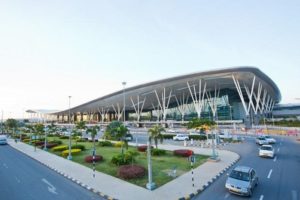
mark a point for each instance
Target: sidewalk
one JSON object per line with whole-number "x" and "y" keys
{"x": 115, "y": 188}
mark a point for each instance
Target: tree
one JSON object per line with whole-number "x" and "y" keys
{"x": 38, "y": 131}
{"x": 155, "y": 134}
{"x": 49, "y": 129}
{"x": 93, "y": 130}
{"x": 11, "y": 125}
{"x": 117, "y": 131}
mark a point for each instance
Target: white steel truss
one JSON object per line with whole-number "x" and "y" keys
{"x": 118, "y": 111}
{"x": 250, "y": 95}
{"x": 182, "y": 105}
{"x": 197, "y": 99}
{"x": 157, "y": 111}
{"x": 103, "y": 113}
{"x": 239, "y": 90}
{"x": 257, "y": 97}
{"x": 212, "y": 101}
{"x": 138, "y": 110}
{"x": 163, "y": 102}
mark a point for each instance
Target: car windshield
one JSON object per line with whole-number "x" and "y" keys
{"x": 239, "y": 175}
{"x": 266, "y": 148}
{"x": 261, "y": 138}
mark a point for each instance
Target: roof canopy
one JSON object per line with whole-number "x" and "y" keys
{"x": 176, "y": 86}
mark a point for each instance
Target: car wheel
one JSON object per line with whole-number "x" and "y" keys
{"x": 250, "y": 192}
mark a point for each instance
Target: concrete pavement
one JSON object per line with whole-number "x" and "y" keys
{"x": 111, "y": 187}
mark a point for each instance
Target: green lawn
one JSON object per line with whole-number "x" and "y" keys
{"x": 162, "y": 165}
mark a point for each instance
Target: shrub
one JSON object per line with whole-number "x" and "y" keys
{"x": 143, "y": 148}
{"x": 26, "y": 140}
{"x": 123, "y": 159}
{"x": 63, "y": 137}
{"x": 58, "y": 142}
{"x": 105, "y": 144}
{"x": 183, "y": 152}
{"x": 131, "y": 171}
{"x": 60, "y": 148}
{"x": 198, "y": 137}
{"x": 158, "y": 152}
{"x": 78, "y": 146}
{"x": 39, "y": 143}
{"x": 118, "y": 144}
{"x": 80, "y": 140}
{"x": 168, "y": 136}
{"x": 73, "y": 151}
{"x": 89, "y": 159}
{"x": 49, "y": 145}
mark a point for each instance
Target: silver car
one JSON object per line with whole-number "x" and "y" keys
{"x": 242, "y": 181}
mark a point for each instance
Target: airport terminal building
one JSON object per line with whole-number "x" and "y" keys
{"x": 239, "y": 93}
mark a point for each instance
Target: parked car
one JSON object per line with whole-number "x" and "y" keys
{"x": 266, "y": 151}
{"x": 270, "y": 139}
{"x": 3, "y": 139}
{"x": 261, "y": 140}
{"x": 181, "y": 137}
{"x": 241, "y": 181}
{"x": 128, "y": 137}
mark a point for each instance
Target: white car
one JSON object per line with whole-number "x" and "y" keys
{"x": 266, "y": 151}
{"x": 3, "y": 139}
{"x": 261, "y": 140}
{"x": 270, "y": 139}
{"x": 181, "y": 137}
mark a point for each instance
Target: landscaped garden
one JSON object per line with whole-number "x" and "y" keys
{"x": 112, "y": 155}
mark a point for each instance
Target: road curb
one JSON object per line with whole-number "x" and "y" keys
{"x": 198, "y": 191}
{"x": 67, "y": 176}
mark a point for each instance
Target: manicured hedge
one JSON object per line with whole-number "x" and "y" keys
{"x": 158, "y": 152}
{"x": 64, "y": 137}
{"x": 39, "y": 143}
{"x": 143, "y": 148}
{"x": 78, "y": 146}
{"x": 198, "y": 137}
{"x": 118, "y": 144}
{"x": 60, "y": 148}
{"x": 183, "y": 152}
{"x": 105, "y": 144}
{"x": 89, "y": 159}
{"x": 80, "y": 140}
{"x": 123, "y": 159}
{"x": 26, "y": 140}
{"x": 73, "y": 151}
{"x": 58, "y": 142}
{"x": 131, "y": 171}
{"x": 49, "y": 145}
{"x": 168, "y": 136}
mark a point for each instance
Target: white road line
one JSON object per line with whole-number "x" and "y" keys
{"x": 294, "y": 195}
{"x": 261, "y": 197}
{"x": 278, "y": 149}
{"x": 275, "y": 159}
{"x": 227, "y": 195}
{"x": 51, "y": 188}
{"x": 270, "y": 172}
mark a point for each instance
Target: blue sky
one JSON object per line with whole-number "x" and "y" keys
{"x": 52, "y": 49}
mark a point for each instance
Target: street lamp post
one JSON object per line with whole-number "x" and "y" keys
{"x": 124, "y": 84}
{"x": 70, "y": 155}
{"x": 150, "y": 185}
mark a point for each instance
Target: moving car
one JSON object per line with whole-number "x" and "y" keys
{"x": 3, "y": 139}
{"x": 266, "y": 151}
{"x": 128, "y": 137}
{"x": 261, "y": 140}
{"x": 242, "y": 181}
{"x": 270, "y": 139}
{"x": 181, "y": 137}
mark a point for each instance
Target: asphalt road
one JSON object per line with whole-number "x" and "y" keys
{"x": 23, "y": 178}
{"x": 279, "y": 178}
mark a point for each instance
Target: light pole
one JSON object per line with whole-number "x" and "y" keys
{"x": 150, "y": 185}
{"x": 70, "y": 155}
{"x": 124, "y": 84}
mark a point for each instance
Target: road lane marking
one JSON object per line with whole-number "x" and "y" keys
{"x": 227, "y": 195}
{"x": 51, "y": 188}
{"x": 275, "y": 159}
{"x": 278, "y": 149}
{"x": 294, "y": 195}
{"x": 270, "y": 172}
{"x": 261, "y": 197}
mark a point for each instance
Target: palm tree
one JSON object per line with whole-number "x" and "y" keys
{"x": 38, "y": 130}
{"x": 117, "y": 131}
{"x": 121, "y": 135}
{"x": 155, "y": 134}
{"x": 79, "y": 128}
{"x": 93, "y": 130}
{"x": 11, "y": 124}
{"x": 50, "y": 129}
